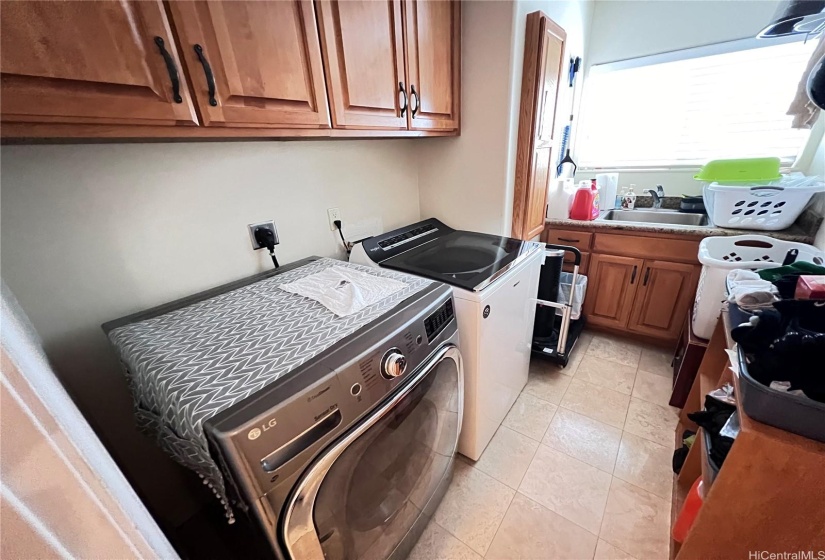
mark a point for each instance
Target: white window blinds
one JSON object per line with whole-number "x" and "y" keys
{"x": 683, "y": 109}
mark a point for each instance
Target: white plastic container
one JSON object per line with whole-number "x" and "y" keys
{"x": 720, "y": 255}
{"x": 608, "y": 183}
{"x": 769, "y": 207}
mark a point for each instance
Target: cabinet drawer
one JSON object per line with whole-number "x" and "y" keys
{"x": 681, "y": 250}
{"x": 568, "y": 263}
{"x": 578, "y": 239}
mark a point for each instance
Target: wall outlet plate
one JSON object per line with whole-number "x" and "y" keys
{"x": 333, "y": 214}
{"x": 270, "y": 225}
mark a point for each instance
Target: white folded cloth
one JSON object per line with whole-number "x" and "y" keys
{"x": 749, "y": 291}
{"x": 344, "y": 290}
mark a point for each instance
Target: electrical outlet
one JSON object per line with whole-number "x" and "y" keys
{"x": 270, "y": 225}
{"x": 333, "y": 214}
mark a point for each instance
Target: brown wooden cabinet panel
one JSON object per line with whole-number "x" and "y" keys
{"x": 578, "y": 239}
{"x": 541, "y": 75}
{"x": 90, "y": 62}
{"x": 611, "y": 287}
{"x": 647, "y": 247}
{"x": 569, "y": 261}
{"x": 433, "y": 63}
{"x": 265, "y": 61}
{"x": 363, "y": 49}
{"x": 663, "y": 298}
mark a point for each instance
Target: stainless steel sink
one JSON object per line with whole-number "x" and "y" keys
{"x": 654, "y": 216}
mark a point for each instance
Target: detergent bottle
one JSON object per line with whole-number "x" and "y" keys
{"x": 594, "y": 188}
{"x": 582, "y": 208}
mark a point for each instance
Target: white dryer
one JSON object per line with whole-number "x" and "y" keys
{"x": 495, "y": 282}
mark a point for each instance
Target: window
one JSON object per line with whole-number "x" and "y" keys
{"x": 682, "y": 109}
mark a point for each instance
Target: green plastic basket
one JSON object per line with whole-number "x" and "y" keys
{"x": 740, "y": 170}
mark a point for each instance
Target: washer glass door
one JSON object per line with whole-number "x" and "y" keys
{"x": 371, "y": 488}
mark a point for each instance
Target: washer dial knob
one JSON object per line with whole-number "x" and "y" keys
{"x": 393, "y": 363}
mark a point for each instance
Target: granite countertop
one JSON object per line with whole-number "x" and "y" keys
{"x": 802, "y": 231}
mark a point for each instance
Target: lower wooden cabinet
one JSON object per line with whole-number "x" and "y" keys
{"x": 663, "y": 298}
{"x": 648, "y": 297}
{"x": 611, "y": 288}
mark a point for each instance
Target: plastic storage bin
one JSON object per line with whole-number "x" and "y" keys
{"x": 578, "y": 293}
{"x": 769, "y": 207}
{"x": 720, "y": 255}
{"x": 793, "y": 413}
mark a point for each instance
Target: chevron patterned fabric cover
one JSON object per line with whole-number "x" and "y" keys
{"x": 187, "y": 365}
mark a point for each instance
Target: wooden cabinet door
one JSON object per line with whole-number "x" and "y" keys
{"x": 90, "y": 62}
{"x": 663, "y": 298}
{"x": 433, "y": 33}
{"x": 363, "y": 52}
{"x": 263, "y": 58}
{"x": 543, "y": 57}
{"x": 611, "y": 287}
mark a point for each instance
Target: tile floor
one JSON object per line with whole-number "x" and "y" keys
{"x": 580, "y": 468}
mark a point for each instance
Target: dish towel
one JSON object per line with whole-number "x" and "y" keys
{"x": 343, "y": 290}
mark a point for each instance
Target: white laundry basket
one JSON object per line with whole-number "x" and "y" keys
{"x": 720, "y": 255}
{"x": 768, "y": 207}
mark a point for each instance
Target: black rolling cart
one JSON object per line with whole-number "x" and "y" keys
{"x": 554, "y": 335}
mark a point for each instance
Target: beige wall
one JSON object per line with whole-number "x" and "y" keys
{"x": 94, "y": 232}
{"x": 468, "y": 181}
{"x": 463, "y": 181}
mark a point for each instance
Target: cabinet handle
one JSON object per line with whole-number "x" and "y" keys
{"x": 417, "y": 105}
{"x": 403, "y": 94}
{"x": 647, "y": 275}
{"x": 568, "y": 240}
{"x": 633, "y": 275}
{"x": 171, "y": 68}
{"x": 210, "y": 79}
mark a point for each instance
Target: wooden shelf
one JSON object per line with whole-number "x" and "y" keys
{"x": 769, "y": 494}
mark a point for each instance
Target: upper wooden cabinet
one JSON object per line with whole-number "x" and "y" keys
{"x": 254, "y": 63}
{"x": 544, "y": 45}
{"x": 377, "y": 79}
{"x": 433, "y": 63}
{"x": 91, "y": 62}
{"x": 234, "y": 68}
{"x": 364, "y": 56}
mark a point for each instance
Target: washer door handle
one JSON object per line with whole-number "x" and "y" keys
{"x": 302, "y": 441}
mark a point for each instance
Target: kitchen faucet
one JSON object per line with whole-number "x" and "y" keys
{"x": 658, "y": 195}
